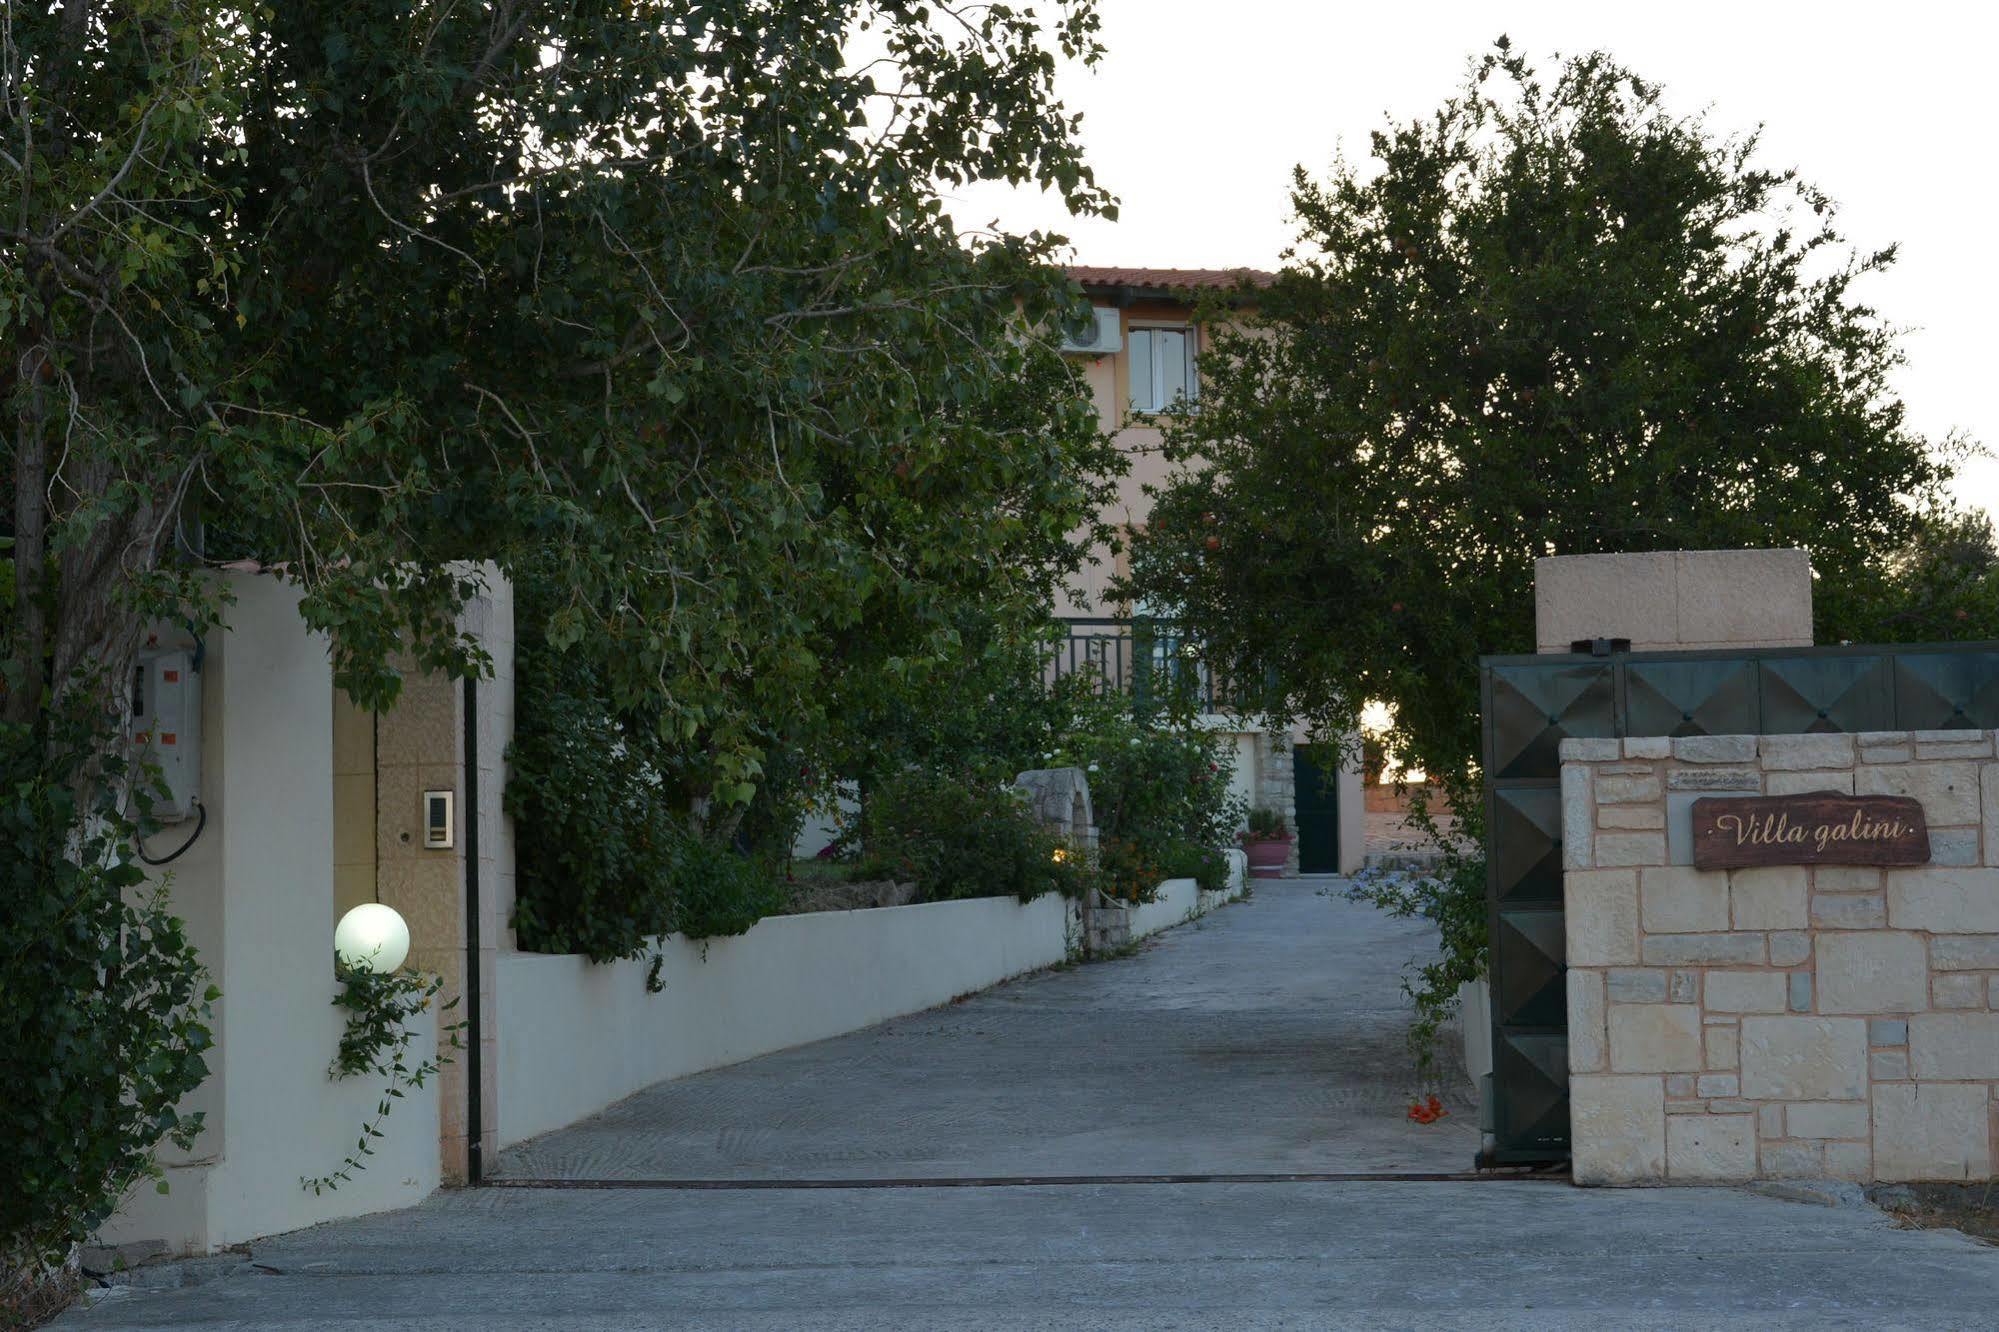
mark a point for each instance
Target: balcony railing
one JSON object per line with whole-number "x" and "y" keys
{"x": 1147, "y": 658}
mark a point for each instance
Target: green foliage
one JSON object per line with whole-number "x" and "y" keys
{"x": 956, "y": 835}
{"x": 1264, "y": 824}
{"x": 1939, "y": 587}
{"x": 719, "y": 891}
{"x": 103, "y": 1005}
{"x": 367, "y": 287}
{"x": 376, "y": 1040}
{"x": 654, "y": 305}
{"x": 1159, "y": 787}
{"x": 1452, "y": 899}
{"x": 598, "y": 831}
{"x": 985, "y": 710}
{"x": 1552, "y": 318}
{"x": 606, "y": 860}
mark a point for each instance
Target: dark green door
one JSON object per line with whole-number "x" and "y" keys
{"x": 1317, "y": 796}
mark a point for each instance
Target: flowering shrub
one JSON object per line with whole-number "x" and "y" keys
{"x": 956, "y": 836}
{"x": 1161, "y": 796}
{"x": 1453, "y": 899}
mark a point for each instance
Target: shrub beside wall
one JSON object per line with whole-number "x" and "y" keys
{"x": 1161, "y": 797}
{"x": 955, "y": 836}
{"x": 610, "y": 858}
{"x": 103, "y": 1011}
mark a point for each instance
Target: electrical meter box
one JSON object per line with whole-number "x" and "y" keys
{"x": 166, "y": 726}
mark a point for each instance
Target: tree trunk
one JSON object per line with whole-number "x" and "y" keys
{"x": 31, "y": 483}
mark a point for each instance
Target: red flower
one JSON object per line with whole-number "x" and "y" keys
{"x": 1427, "y": 1111}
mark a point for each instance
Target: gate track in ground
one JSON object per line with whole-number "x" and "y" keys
{"x": 1557, "y": 1175}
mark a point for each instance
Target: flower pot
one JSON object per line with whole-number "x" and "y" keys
{"x": 1266, "y": 856}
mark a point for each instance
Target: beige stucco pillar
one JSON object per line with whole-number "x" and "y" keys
{"x": 421, "y": 745}
{"x": 255, "y": 882}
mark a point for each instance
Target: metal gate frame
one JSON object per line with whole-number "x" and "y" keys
{"x": 1529, "y": 704}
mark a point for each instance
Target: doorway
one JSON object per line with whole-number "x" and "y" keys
{"x": 1316, "y": 802}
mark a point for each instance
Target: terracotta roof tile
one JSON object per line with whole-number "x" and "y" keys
{"x": 1171, "y": 279}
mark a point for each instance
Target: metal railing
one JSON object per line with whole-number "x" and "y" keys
{"x": 1147, "y": 658}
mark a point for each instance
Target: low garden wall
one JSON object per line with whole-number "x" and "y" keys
{"x": 1787, "y": 1020}
{"x": 1179, "y": 900}
{"x": 575, "y": 1036}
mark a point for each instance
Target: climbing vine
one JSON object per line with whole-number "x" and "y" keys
{"x": 377, "y": 1039}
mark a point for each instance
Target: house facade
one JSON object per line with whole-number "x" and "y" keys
{"x": 1140, "y": 357}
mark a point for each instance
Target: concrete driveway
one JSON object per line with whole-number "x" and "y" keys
{"x": 1382, "y": 1255}
{"x": 1268, "y": 1037}
{"x": 1265, "y": 1040}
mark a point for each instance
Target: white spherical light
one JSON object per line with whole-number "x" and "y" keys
{"x": 372, "y": 936}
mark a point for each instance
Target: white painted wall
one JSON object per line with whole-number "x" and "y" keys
{"x": 257, "y": 892}
{"x": 1178, "y": 900}
{"x": 575, "y": 1036}
{"x": 1353, "y": 813}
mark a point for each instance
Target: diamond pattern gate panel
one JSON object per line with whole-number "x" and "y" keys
{"x": 1532, "y": 704}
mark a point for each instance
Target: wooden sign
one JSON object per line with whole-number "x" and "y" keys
{"x": 1820, "y": 828}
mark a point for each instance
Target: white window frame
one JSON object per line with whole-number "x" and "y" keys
{"x": 1155, "y": 349}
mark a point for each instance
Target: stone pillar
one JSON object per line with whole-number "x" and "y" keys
{"x": 1670, "y": 600}
{"x": 421, "y": 746}
{"x": 1795, "y": 1020}
{"x": 1276, "y": 786}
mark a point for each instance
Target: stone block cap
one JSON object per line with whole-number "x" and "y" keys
{"x": 1668, "y": 600}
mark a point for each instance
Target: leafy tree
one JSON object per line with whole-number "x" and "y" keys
{"x": 659, "y": 295}
{"x": 1553, "y": 319}
{"x": 654, "y": 304}
{"x": 1941, "y": 586}
{"x": 1550, "y": 319}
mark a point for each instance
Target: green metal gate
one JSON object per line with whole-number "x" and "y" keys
{"x": 1531, "y": 704}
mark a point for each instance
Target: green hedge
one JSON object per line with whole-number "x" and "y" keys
{"x": 607, "y": 860}
{"x": 956, "y": 836}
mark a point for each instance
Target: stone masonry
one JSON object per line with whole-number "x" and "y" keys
{"x": 1277, "y": 786}
{"x": 1785, "y": 1021}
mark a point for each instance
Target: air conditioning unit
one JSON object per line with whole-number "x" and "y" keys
{"x": 1101, "y": 336}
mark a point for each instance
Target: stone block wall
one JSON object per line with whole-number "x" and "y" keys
{"x": 1277, "y": 786}
{"x": 1784, "y": 1021}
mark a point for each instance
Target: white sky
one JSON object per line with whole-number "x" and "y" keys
{"x": 1201, "y": 108}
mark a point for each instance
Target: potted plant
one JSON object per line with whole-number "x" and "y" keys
{"x": 1267, "y": 843}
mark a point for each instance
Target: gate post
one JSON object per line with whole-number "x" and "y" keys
{"x": 457, "y": 899}
{"x": 1591, "y": 612}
